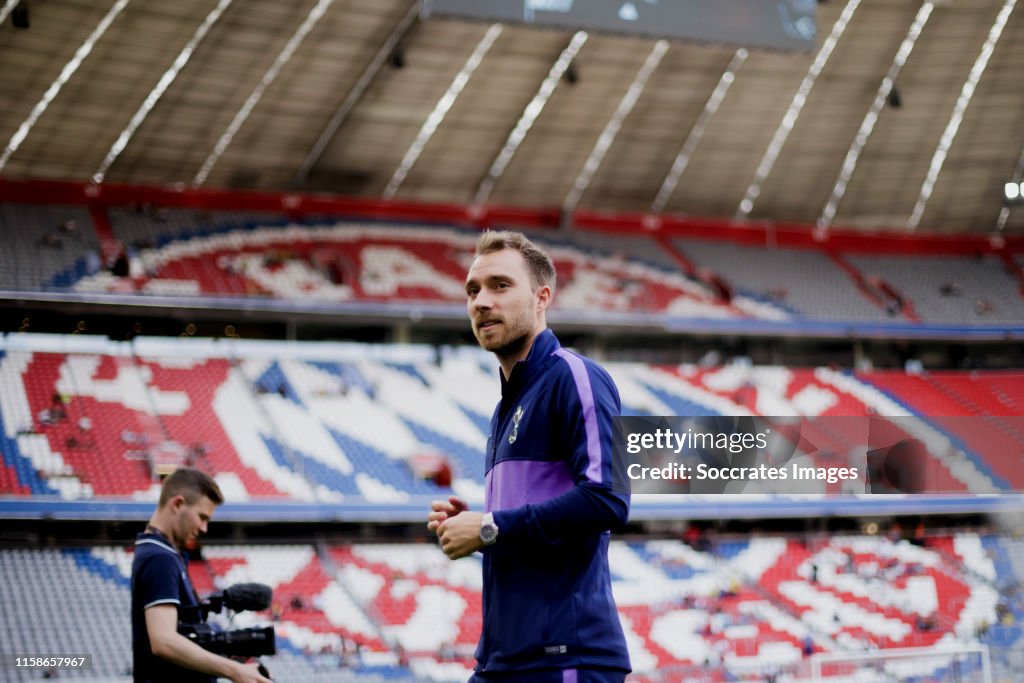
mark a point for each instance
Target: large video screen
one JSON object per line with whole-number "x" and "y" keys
{"x": 774, "y": 24}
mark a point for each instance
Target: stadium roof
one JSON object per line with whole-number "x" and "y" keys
{"x": 366, "y": 98}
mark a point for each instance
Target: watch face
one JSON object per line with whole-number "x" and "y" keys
{"x": 488, "y": 532}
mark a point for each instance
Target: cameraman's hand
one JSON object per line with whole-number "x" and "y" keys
{"x": 249, "y": 673}
{"x": 167, "y": 643}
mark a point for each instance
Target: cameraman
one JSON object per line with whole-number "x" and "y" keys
{"x": 162, "y": 593}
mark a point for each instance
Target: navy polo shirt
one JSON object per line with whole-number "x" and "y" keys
{"x": 160, "y": 577}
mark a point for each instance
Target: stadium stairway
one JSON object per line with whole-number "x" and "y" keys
{"x": 1007, "y": 633}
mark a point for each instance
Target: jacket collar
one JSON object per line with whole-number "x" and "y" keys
{"x": 544, "y": 345}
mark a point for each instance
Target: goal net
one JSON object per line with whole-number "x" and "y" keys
{"x": 947, "y": 664}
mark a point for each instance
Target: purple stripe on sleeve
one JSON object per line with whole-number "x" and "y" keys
{"x": 586, "y": 393}
{"x": 569, "y": 676}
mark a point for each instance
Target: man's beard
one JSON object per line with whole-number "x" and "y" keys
{"x": 510, "y": 347}
{"x": 515, "y": 337}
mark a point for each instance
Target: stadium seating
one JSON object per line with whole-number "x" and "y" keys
{"x": 736, "y": 608}
{"x": 803, "y": 281}
{"x": 969, "y": 406}
{"x": 87, "y": 421}
{"x": 143, "y": 226}
{"x": 187, "y": 252}
{"x": 950, "y": 288}
{"x": 1006, "y": 633}
{"x": 361, "y": 262}
{"x": 68, "y": 602}
{"x": 293, "y": 422}
{"x": 45, "y": 245}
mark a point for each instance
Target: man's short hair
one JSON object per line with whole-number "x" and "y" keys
{"x": 191, "y": 483}
{"x": 538, "y": 263}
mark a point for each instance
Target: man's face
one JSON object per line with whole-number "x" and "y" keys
{"x": 190, "y": 521}
{"x": 503, "y": 307}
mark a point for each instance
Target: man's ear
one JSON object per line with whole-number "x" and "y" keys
{"x": 176, "y": 502}
{"x": 543, "y": 298}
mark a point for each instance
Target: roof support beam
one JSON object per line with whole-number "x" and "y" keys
{"x": 785, "y": 127}
{"x": 828, "y": 212}
{"x": 529, "y": 115}
{"x": 7, "y": 9}
{"x": 354, "y": 95}
{"x": 159, "y": 89}
{"x": 682, "y": 160}
{"x": 283, "y": 57}
{"x": 962, "y": 102}
{"x": 441, "y": 109}
{"x": 611, "y": 129}
{"x": 65, "y": 75}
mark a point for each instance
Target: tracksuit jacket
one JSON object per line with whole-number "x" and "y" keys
{"x": 552, "y": 486}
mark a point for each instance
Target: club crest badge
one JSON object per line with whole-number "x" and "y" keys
{"x": 516, "y": 417}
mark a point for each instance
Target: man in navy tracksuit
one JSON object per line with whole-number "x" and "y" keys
{"x": 552, "y": 493}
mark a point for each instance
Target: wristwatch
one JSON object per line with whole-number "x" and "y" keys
{"x": 488, "y": 529}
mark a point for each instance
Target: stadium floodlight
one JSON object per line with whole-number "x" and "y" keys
{"x": 1012, "y": 191}
{"x": 1004, "y": 211}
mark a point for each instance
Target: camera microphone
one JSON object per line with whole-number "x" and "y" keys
{"x": 253, "y": 597}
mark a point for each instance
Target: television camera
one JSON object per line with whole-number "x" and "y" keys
{"x": 240, "y": 643}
